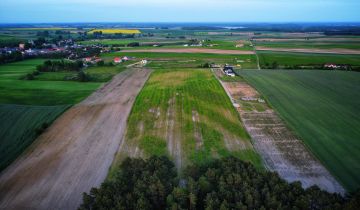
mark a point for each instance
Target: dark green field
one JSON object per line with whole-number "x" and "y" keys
{"x": 20, "y": 125}
{"x": 311, "y": 44}
{"x": 288, "y": 58}
{"x": 322, "y": 107}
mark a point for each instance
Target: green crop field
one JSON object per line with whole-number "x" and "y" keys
{"x": 322, "y": 107}
{"x": 14, "y": 90}
{"x": 311, "y": 44}
{"x": 306, "y": 58}
{"x": 200, "y": 115}
{"x": 20, "y": 125}
{"x": 192, "y": 60}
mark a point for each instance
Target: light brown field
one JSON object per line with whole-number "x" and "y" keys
{"x": 193, "y": 50}
{"x": 75, "y": 153}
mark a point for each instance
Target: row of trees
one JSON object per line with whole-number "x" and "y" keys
{"x": 276, "y": 65}
{"x": 54, "y": 66}
{"x": 222, "y": 184}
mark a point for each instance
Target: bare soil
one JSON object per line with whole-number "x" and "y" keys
{"x": 193, "y": 50}
{"x": 75, "y": 153}
{"x": 280, "y": 149}
{"x": 303, "y": 50}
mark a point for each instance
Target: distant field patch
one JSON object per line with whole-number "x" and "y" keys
{"x": 20, "y": 125}
{"x": 40, "y": 29}
{"x": 322, "y": 107}
{"x": 116, "y": 31}
{"x": 291, "y": 59}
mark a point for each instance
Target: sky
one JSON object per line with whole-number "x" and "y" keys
{"x": 61, "y": 11}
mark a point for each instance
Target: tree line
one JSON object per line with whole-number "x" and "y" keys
{"x": 54, "y": 66}
{"x": 223, "y": 184}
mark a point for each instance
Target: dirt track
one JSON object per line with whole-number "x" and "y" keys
{"x": 75, "y": 153}
{"x": 193, "y": 50}
{"x": 280, "y": 149}
{"x": 303, "y": 50}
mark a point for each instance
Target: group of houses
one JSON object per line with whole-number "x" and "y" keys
{"x": 121, "y": 59}
{"x": 92, "y": 60}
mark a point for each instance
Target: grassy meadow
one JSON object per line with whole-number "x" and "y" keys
{"x": 187, "y": 107}
{"x": 115, "y": 31}
{"x": 322, "y": 107}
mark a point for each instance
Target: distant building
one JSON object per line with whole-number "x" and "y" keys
{"x": 21, "y": 46}
{"x": 229, "y": 71}
{"x": 125, "y": 58}
{"x": 330, "y": 65}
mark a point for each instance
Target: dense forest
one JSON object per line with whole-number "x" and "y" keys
{"x": 222, "y": 184}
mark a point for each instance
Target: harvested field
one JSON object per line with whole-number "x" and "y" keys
{"x": 305, "y": 50}
{"x": 75, "y": 153}
{"x": 280, "y": 149}
{"x": 193, "y": 50}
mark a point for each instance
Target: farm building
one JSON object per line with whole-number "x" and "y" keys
{"x": 117, "y": 60}
{"x": 229, "y": 70}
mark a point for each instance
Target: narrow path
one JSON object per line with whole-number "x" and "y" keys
{"x": 257, "y": 56}
{"x": 75, "y": 153}
{"x": 280, "y": 149}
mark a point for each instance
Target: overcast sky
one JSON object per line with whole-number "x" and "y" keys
{"x": 42, "y": 11}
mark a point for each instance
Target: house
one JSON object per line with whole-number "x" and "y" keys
{"x": 331, "y": 66}
{"x": 125, "y": 58}
{"x": 87, "y": 59}
{"x": 229, "y": 70}
{"x": 21, "y": 46}
{"x": 117, "y": 60}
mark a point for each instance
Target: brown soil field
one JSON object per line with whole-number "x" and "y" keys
{"x": 280, "y": 149}
{"x": 327, "y": 51}
{"x": 193, "y": 50}
{"x": 75, "y": 152}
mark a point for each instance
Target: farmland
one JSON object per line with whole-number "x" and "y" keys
{"x": 28, "y": 105}
{"x": 20, "y": 125}
{"x": 14, "y": 90}
{"x": 191, "y": 60}
{"x": 316, "y": 44}
{"x": 186, "y": 115}
{"x": 321, "y": 108}
{"x": 291, "y": 59}
{"x": 115, "y": 31}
